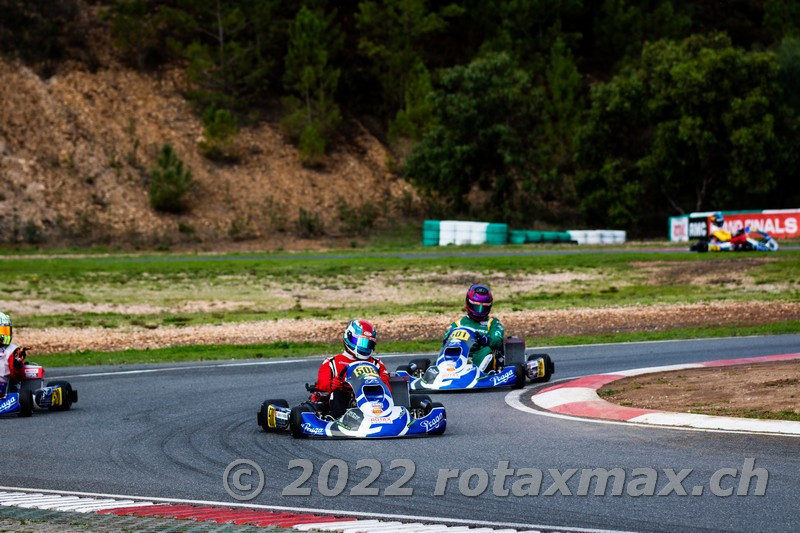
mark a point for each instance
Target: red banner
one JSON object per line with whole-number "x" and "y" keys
{"x": 779, "y": 224}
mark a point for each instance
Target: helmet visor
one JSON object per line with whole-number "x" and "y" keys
{"x": 5, "y": 334}
{"x": 480, "y": 308}
{"x": 363, "y": 345}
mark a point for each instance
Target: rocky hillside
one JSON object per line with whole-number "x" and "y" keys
{"x": 76, "y": 152}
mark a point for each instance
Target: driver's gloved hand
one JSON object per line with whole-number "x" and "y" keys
{"x": 338, "y": 383}
{"x": 482, "y": 340}
{"x": 19, "y": 357}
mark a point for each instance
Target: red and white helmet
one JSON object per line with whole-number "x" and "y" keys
{"x": 359, "y": 339}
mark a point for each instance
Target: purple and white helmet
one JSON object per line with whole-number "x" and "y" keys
{"x": 479, "y": 302}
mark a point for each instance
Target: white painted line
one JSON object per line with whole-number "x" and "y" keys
{"x": 123, "y": 503}
{"x": 369, "y": 526}
{"x": 564, "y": 395}
{"x": 307, "y": 510}
{"x": 513, "y": 400}
{"x": 720, "y": 422}
{"x": 654, "y": 369}
{"x": 18, "y": 496}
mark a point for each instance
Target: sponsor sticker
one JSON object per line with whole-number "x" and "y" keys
{"x": 505, "y": 377}
{"x": 433, "y": 423}
{"x": 380, "y": 420}
{"x": 308, "y": 428}
{"x": 8, "y": 404}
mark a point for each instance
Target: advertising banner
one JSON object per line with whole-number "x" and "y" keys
{"x": 779, "y": 223}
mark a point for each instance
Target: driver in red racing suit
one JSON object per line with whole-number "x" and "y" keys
{"x": 359, "y": 343}
{"x": 12, "y": 357}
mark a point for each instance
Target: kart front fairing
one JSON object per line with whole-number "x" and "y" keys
{"x": 454, "y": 370}
{"x": 375, "y": 414}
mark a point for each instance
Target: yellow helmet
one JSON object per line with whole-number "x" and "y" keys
{"x": 5, "y": 330}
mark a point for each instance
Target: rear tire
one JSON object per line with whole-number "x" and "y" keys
{"x": 262, "y": 413}
{"x": 549, "y": 367}
{"x": 421, "y": 405}
{"x": 25, "y": 403}
{"x": 67, "y": 395}
{"x": 296, "y": 420}
{"x": 519, "y": 373}
{"x": 421, "y": 364}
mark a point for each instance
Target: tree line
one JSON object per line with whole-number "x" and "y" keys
{"x": 562, "y": 112}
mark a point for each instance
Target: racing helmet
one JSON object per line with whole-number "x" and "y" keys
{"x": 359, "y": 339}
{"x": 717, "y": 219}
{"x": 5, "y": 330}
{"x": 479, "y": 302}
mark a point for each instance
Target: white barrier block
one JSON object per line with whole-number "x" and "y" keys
{"x": 593, "y": 237}
{"x": 478, "y": 234}
{"x": 447, "y": 232}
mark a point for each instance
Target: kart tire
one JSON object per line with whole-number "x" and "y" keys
{"x": 422, "y": 402}
{"x": 404, "y": 368}
{"x": 422, "y": 365}
{"x": 25, "y": 403}
{"x": 67, "y": 395}
{"x": 439, "y": 431}
{"x": 262, "y": 413}
{"x": 519, "y": 373}
{"x": 549, "y": 367}
{"x": 296, "y": 420}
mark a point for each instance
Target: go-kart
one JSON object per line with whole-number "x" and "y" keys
{"x": 454, "y": 370}
{"x": 745, "y": 240}
{"x": 373, "y": 410}
{"x": 23, "y": 397}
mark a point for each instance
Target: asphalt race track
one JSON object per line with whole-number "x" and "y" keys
{"x": 171, "y": 433}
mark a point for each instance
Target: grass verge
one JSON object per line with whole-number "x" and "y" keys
{"x": 283, "y": 349}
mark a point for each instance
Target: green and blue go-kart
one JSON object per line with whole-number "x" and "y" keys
{"x": 374, "y": 411}
{"x": 24, "y": 397}
{"x": 454, "y": 371}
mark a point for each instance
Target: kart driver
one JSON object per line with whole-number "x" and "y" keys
{"x": 359, "y": 343}
{"x": 717, "y": 231}
{"x": 12, "y": 357}
{"x": 489, "y": 331}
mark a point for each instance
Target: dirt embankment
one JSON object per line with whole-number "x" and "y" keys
{"x": 529, "y": 324}
{"x": 76, "y": 151}
{"x": 763, "y": 390}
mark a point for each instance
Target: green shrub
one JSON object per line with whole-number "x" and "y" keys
{"x": 169, "y": 183}
{"x": 308, "y": 224}
{"x": 220, "y": 132}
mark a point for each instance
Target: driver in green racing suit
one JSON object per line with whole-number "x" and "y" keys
{"x": 489, "y": 331}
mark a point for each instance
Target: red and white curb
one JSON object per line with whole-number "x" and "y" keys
{"x": 251, "y": 515}
{"x": 578, "y": 398}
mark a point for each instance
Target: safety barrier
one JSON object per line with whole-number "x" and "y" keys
{"x": 459, "y": 232}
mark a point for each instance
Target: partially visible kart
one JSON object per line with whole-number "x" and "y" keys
{"x": 753, "y": 241}
{"x": 23, "y": 398}
{"x": 453, "y": 369}
{"x": 375, "y": 410}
